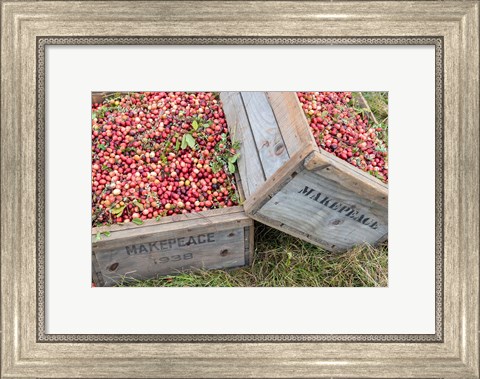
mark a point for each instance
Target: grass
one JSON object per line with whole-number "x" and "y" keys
{"x": 378, "y": 102}
{"x": 280, "y": 260}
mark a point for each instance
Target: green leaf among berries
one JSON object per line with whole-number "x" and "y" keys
{"x": 137, "y": 221}
{"x": 118, "y": 211}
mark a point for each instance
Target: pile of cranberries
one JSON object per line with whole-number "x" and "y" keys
{"x": 340, "y": 129}
{"x": 156, "y": 154}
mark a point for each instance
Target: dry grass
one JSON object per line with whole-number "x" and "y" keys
{"x": 378, "y": 102}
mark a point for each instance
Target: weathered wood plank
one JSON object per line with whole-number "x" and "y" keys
{"x": 268, "y": 138}
{"x": 239, "y": 187}
{"x": 345, "y": 175}
{"x": 275, "y": 182}
{"x": 293, "y": 231}
{"x": 246, "y": 244}
{"x": 291, "y": 121}
{"x": 217, "y": 238}
{"x": 251, "y": 239}
{"x": 180, "y": 221}
{"x": 98, "y": 97}
{"x": 249, "y": 164}
{"x": 97, "y": 277}
{"x": 142, "y": 234}
{"x": 159, "y": 254}
{"x": 320, "y": 208}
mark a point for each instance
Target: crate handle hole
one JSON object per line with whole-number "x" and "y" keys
{"x": 294, "y": 174}
{"x": 231, "y": 234}
{"x": 223, "y": 253}
{"x": 279, "y": 148}
{"x": 113, "y": 267}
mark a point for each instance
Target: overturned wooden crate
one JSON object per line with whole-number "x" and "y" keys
{"x": 293, "y": 185}
{"x": 214, "y": 239}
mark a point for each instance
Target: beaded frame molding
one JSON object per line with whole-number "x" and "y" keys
{"x": 437, "y": 42}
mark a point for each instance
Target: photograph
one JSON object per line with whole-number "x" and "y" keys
{"x": 268, "y": 189}
{"x": 239, "y": 189}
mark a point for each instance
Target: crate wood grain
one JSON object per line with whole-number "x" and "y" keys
{"x": 293, "y": 185}
{"x": 219, "y": 238}
{"x": 98, "y": 97}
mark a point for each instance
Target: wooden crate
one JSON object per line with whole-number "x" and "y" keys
{"x": 293, "y": 185}
{"x": 213, "y": 239}
{"x": 98, "y": 97}
{"x": 217, "y": 238}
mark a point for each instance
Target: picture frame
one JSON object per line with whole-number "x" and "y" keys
{"x": 451, "y": 26}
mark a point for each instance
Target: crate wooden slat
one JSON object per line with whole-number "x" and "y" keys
{"x": 98, "y": 97}
{"x": 219, "y": 238}
{"x": 313, "y": 194}
{"x": 249, "y": 164}
{"x": 268, "y": 138}
{"x": 291, "y": 122}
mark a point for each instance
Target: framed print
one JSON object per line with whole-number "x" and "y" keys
{"x": 253, "y": 143}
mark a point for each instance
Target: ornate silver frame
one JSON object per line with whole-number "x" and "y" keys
{"x": 452, "y": 26}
